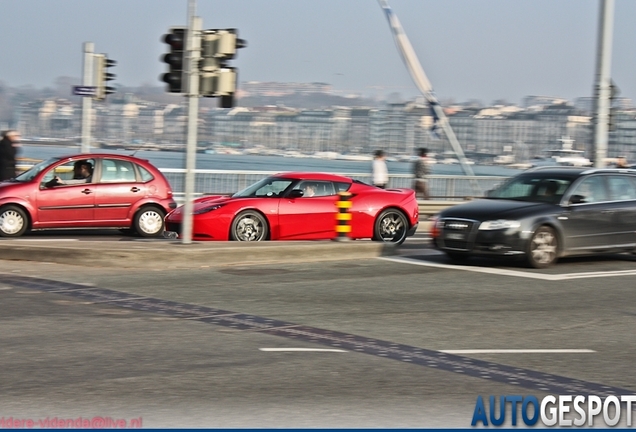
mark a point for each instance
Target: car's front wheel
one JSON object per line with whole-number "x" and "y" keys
{"x": 13, "y": 221}
{"x": 542, "y": 248}
{"x": 149, "y": 222}
{"x": 391, "y": 227}
{"x": 249, "y": 226}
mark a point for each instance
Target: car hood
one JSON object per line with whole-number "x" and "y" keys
{"x": 489, "y": 209}
{"x": 212, "y": 199}
{"x": 204, "y": 202}
{"x": 9, "y": 187}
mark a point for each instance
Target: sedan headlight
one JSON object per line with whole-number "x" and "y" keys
{"x": 207, "y": 209}
{"x": 499, "y": 224}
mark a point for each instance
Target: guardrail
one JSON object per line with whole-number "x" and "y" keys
{"x": 222, "y": 182}
{"x": 445, "y": 190}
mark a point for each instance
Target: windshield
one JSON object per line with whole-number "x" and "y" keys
{"x": 533, "y": 188}
{"x": 35, "y": 170}
{"x": 268, "y": 187}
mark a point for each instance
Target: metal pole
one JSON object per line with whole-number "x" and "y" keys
{"x": 191, "y": 71}
{"x": 603, "y": 82}
{"x": 457, "y": 148}
{"x": 89, "y": 49}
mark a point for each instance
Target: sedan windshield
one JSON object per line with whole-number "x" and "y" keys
{"x": 268, "y": 187}
{"x": 35, "y": 170}
{"x": 533, "y": 188}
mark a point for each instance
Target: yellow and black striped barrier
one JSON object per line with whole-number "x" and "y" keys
{"x": 343, "y": 217}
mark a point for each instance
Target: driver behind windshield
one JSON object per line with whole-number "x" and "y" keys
{"x": 82, "y": 173}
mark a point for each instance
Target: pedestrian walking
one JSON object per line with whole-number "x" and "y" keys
{"x": 8, "y": 152}
{"x": 380, "y": 171}
{"x": 421, "y": 171}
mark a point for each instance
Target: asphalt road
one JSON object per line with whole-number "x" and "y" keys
{"x": 386, "y": 322}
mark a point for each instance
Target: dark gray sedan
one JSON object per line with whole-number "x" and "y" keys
{"x": 543, "y": 214}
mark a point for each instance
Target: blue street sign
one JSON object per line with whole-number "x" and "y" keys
{"x": 84, "y": 90}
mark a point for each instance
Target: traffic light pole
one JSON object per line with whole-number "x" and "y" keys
{"x": 603, "y": 82}
{"x": 89, "y": 49}
{"x": 192, "y": 72}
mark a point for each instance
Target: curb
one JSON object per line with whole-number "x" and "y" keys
{"x": 163, "y": 254}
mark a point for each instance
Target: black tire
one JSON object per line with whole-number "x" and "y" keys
{"x": 13, "y": 221}
{"x": 457, "y": 256}
{"x": 249, "y": 226}
{"x": 543, "y": 247}
{"x": 391, "y": 227}
{"x": 148, "y": 221}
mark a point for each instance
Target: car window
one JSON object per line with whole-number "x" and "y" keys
{"x": 117, "y": 171}
{"x": 31, "y": 173}
{"x": 316, "y": 188}
{"x": 342, "y": 186}
{"x": 591, "y": 190}
{"x": 535, "y": 188}
{"x": 67, "y": 173}
{"x": 145, "y": 174}
{"x": 267, "y": 187}
{"x": 621, "y": 187}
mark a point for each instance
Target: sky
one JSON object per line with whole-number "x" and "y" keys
{"x": 470, "y": 49}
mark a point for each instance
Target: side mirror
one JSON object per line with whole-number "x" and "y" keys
{"x": 576, "y": 199}
{"x": 489, "y": 192}
{"x": 296, "y": 193}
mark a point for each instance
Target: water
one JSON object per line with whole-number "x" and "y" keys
{"x": 167, "y": 159}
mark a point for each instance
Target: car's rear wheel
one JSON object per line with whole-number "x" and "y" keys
{"x": 149, "y": 222}
{"x": 542, "y": 248}
{"x": 13, "y": 221}
{"x": 249, "y": 226}
{"x": 391, "y": 227}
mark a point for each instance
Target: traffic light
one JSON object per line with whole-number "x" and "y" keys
{"x": 175, "y": 78}
{"x": 102, "y": 76}
{"x": 216, "y": 78}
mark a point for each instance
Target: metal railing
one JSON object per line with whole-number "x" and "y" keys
{"x": 224, "y": 182}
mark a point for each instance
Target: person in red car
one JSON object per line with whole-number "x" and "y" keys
{"x": 309, "y": 190}
{"x": 82, "y": 173}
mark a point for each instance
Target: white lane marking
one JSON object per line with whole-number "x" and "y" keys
{"x": 514, "y": 273}
{"x": 518, "y": 351}
{"x": 301, "y": 350}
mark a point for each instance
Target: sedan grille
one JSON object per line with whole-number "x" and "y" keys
{"x": 457, "y": 234}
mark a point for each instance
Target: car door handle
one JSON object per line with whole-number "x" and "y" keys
{"x": 607, "y": 211}
{"x": 87, "y": 191}
{"x": 135, "y": 189}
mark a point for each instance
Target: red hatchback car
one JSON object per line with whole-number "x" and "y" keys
{"x": 86, "y": 190}
{"x": 301, "y": 206}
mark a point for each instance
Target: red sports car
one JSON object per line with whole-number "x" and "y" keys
{"x": 86, "y": 190}
{"x": 301, "y": 206}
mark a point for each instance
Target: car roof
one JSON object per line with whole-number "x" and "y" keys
{"x": 100, "y": 155}
{"x": 314, "y": 176}
{"x": 575, "y": 171}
